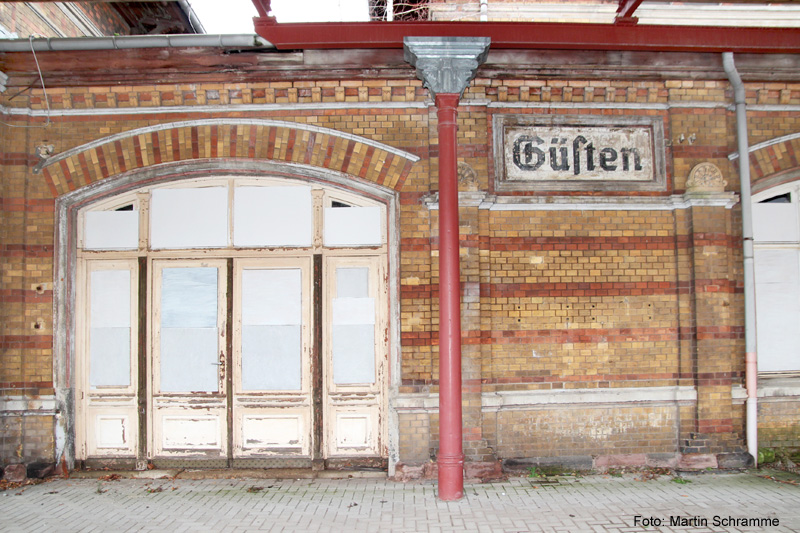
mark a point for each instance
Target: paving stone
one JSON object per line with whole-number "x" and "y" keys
{"x": 592, "y": 504}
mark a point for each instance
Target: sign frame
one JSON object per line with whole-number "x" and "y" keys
{"x": 505, "y": 125}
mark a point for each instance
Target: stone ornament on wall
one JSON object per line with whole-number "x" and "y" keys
{"x": 43, "y": 152}
{"x": 446, "y": 64}
{"x": 467, "y": 178}
{"x": 705, "y": 177}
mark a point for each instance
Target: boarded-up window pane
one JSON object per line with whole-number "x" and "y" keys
{"x": 189, "y": 218}
{"x": 111, "y": 230}
{"x": 189, "y": 334}
{"x": 775, "y": 222}
{"x": 109, "y": 332}
{"x": 110, "y": 357}
{"x": 189, "y": 360}
{"x": 778, "y": 309}
{"x": 353, "y": 226}
{"x": 271, "y": 297}
{"x": 271, "y": 329}
{"x": 354, "y": 311}
{"x": 353, "y": 327}
{"x": 272, "y": 216}
{"x": 111, "y": 298}
{"x": 353, "y": 354}
{"x": 189, "y": 297}
{"x": 352, "y": 282}
{"x": 271, "y": 357}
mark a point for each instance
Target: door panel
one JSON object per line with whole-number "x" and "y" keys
{"x": 355, "y": 347}
{"x": 272, "y": 350}
{"x": 272, "y": 431}
{"x": 181, "y": 432}
{"x": 189, "y": 404}
{"x": 108, "y": 377}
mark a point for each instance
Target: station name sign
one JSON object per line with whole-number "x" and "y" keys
{"x": 578, "y": 152}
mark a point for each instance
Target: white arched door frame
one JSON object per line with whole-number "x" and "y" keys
{"x": 69, "y": 206}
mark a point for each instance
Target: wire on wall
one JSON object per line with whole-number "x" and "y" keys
{"x": 44, "y": 89}
{"x": 41, "y": 78}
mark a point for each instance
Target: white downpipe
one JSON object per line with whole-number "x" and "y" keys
{"x": 484, "y": 10}
{"x": 751, "y": 359}
{"x": 389, "y": 10}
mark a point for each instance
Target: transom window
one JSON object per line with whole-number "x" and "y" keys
{"x": 217, "y": 213}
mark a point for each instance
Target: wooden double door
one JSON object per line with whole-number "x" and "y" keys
{"x": 241, "y": 361}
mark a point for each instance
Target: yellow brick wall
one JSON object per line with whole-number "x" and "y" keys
{"x": 565, "y": 299}
{"x": 602, "y": 431}
{"x": 778, "y": 423}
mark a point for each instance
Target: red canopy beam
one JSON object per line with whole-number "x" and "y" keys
{"x": 263, "y": 7}
{"x": 535, "y": 35}
{"x": 625, "y": 12}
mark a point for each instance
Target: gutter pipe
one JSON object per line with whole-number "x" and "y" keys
{"x": 751, "y": 358}
{"x": 134, "y": 41}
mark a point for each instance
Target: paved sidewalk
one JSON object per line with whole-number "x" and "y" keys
{"x": 594, "y": 503}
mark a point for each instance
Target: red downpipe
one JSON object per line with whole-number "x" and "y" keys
{"x": 451, "y": 455}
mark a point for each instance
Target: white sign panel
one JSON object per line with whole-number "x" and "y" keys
{"x": 578, "y": 153}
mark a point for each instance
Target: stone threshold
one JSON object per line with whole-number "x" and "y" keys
{"x": 229, "y": 473}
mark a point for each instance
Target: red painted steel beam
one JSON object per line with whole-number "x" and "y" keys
{"x": 450, "y": 458}
{"x": 263, "y": 7}
{"x": 534, "y": 35}
{"x": 627, "y": 8}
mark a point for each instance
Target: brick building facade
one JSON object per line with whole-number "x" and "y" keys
{"x": 92, "y": 19}
{"x": 602, "y": 321}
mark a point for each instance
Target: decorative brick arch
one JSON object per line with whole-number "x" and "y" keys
{"x": 776, "y": 156}
{"x": 243, "y": 139}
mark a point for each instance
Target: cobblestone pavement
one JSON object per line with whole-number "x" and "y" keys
{"x": 593, "y": 503}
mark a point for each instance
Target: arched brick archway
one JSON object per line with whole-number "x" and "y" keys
{"x": 773, "y": 158}
{"x": 241, "y": 139}
{"x": 175, "y": 151}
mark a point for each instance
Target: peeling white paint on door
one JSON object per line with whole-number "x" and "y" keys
{"x": 239, "y": 250}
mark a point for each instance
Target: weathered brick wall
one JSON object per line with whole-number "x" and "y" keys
{"x": 556, "y": 432}
{"x": 26, "y": 439}
{"x": 561, "y": 300}
{"x": 778, "y": 423}
{"x": 583, "y": 299}
{"x": 106, "y": 18}
{"x": 41, "y": 19}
